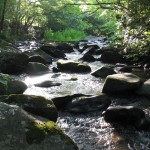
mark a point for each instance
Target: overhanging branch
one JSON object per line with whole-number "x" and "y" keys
{"x": 95, "y": 4}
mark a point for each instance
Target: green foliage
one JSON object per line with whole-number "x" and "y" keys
{"x": 109, "y": 29}
{"x": 134, "y": 18}
{"x": 65, "y": 35}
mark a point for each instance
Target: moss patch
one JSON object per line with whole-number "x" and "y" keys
{"x": 37, "y": 132}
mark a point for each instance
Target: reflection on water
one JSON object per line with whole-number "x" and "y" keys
{"x": 89, "y": 130}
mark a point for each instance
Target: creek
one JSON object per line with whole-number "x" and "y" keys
{"x": 89, "y": 131}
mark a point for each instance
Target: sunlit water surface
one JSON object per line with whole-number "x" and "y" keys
{"x": 89, "y": 130}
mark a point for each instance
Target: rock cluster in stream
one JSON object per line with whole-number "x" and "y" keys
{"x": 19, "y": 129}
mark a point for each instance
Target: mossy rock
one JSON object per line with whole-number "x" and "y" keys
{"x": 21, "y": 131}
{"x": 3, "y": 83}
{"x": 11, "y": 86}
{"x": 37, "y": 105}
{"x": 37, "y": 132}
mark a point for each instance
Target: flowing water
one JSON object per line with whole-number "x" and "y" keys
{"x": 90, "y": 131}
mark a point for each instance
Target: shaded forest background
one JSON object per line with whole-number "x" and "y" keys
{"x": 126, "y": 23}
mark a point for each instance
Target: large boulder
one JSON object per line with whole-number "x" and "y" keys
{"x": 72, "y": 66}
{"x": 111, "y": 57}
{"x": 88, "y": 104}
{"x": 16, "y": 87}
{"x": 12, "y": 62}
{"x": 34, "y": 68}
{"x": 103, "y": 72}
{"x": 125, "y": 115}
{"x": 21, "y": 131}
{"x": 121, "y": 83}
{"x": 145, "y": 89}
{"x": 34, "y": 104}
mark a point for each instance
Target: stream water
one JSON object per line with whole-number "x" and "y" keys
{"x": 89, "y": 130}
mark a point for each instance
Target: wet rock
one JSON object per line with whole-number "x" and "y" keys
{"x": 12, "y": 62}
{"x": 34, "y": 68}
{"x": 19, "y": 130}
{"x": 34, "y": 104}
{"x": 88, "y": 58}
{"x": 125, "y": 115}
{"x": 16, "y": 87}
{"x": 62, "y": 101}
{"x": 3, "y": 97}
{"x": 145, "y": 89}
{"x": 145, "y": 125}
{"x": 98, "y": 52}
{"x": 45, "y": 56}
{"x": 111, "y": 57}
{"x": 123, "y": 68}
{"x": 90, "y": 50}
{"x": 48, "y": 47}
{"x": 3, "y": 89}
{"x": 121, "y": 83}
{"x": 53, "y": 52}
{"x": 10, "y": 86}
{"x": 37, "y": 58}
{"x": 72, "y": 66}
{"x": 55, "y": 69}
{"x": 87, "y": 104}
{"x": 66, "y": 47}
{"x": 47, "y": 84}
{"x": 103, "y": 72}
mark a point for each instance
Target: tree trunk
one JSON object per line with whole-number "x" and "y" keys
{"x": 3, "y": 16}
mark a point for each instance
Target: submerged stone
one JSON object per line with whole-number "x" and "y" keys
{"x": 47, "y": 84}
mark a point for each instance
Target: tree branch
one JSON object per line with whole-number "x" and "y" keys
{"x": 94, "y": 4}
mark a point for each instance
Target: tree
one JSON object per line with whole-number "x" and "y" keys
{"x": 2, "y": 10}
